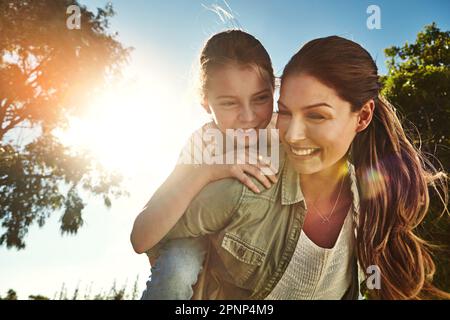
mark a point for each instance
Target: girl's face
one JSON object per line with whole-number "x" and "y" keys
{"x": 316, "y": 125}
{"x": 239, "y": 98}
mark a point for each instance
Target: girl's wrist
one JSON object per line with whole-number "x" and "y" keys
{"x": 197, "y": 173}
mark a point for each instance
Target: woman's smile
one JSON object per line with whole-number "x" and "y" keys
{"x": 304, "y": 153}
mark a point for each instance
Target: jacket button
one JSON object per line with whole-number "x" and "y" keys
{"x": 240, "y": 252}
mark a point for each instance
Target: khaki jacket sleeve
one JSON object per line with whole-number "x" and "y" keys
{"x": 210, "y": 211}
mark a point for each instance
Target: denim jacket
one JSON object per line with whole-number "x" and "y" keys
{"x": 252, "y": 237}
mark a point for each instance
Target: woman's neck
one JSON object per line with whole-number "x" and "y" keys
{"x": 324, "y": 185}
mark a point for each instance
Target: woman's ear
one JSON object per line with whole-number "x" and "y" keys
{"x": 365, "y": 115}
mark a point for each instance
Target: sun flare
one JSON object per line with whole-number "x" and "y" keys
{"x": 129, "y": 128}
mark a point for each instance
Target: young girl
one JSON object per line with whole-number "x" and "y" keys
{"x": 237, "y": 85}
{"x": 351, "y": 191}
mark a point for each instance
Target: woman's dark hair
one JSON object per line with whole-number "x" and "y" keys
{"x": 392, "y": 174}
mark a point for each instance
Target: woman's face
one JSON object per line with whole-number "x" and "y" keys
{"x": 239, "y": 98}
{"x": 316, "y": 125}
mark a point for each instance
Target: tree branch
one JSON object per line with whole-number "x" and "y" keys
{"x": 11, "y": 125}
{"x": 3, "y": 109}
{"x": 38, "y": 67}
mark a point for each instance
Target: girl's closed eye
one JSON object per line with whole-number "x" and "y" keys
{"x": 227, "y": 104}
{"x": 262, "y": 98}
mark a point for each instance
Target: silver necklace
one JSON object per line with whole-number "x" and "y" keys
{"x": 326, "y": 219}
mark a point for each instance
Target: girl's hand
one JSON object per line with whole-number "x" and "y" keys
{"x": 242, "y": 172}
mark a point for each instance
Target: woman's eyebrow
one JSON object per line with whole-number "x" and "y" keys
{"x": 315, "y": 105}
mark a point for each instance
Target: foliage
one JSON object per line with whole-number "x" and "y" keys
{"x": 49, "y": 72}
{"x": 418, "y": 84}
{"x": 114, "y": 293}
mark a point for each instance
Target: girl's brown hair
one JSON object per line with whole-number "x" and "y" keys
{"x": 234, "y": 47}
{"x": 392, "y": 174}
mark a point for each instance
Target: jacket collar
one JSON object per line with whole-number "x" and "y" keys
{"x": 290, "y": 185}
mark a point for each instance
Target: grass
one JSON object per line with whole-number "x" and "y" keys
{"x": 114, "y": 293}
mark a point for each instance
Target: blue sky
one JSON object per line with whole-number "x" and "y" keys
{"x": 178, "y": 28}
{"x": 167, "y": 37}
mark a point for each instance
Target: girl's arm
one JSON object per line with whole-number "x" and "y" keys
{"x": 166, "y": 206}
{"x": 173, "y": 197}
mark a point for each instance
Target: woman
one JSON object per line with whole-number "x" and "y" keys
{"x": 348, "y": 167}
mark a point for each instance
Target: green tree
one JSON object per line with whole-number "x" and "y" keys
{"x": 47, "y": 73}
{"x": 10, "y": 295}
{"x": 418, "y": 83}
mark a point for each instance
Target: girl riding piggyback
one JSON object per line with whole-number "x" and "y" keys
{"x": 236, "y": 89}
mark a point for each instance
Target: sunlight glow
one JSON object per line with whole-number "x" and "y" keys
{"x": 130, "y": 128}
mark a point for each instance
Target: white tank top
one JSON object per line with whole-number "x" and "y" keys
{"x": 318, "y": 273}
